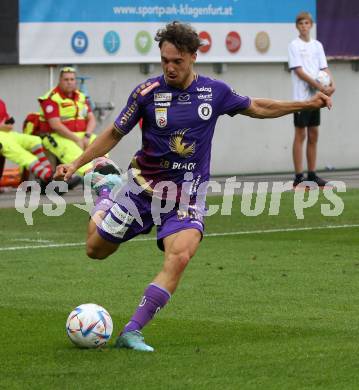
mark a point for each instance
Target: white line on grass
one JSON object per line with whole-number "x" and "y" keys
{"x": 60, "y": 245}
{"x": 70, "y": 244}
{"x": 30, "y": 240}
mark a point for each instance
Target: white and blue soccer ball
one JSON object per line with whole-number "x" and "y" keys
{"x": 323, "y": 78}
{"x": 89, "y": 326}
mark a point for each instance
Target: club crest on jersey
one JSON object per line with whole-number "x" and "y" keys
{"x": 161, "y": 117}
{"x": 205, "y": 111}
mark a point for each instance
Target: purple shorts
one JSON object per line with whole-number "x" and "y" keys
{"x": 137, "y": 214}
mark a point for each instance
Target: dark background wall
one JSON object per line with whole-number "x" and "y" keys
{"x": 9, "y": 23}
{"x": 338, "y": 27}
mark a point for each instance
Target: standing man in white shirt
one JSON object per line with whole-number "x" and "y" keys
{"x": 306, "y": 59}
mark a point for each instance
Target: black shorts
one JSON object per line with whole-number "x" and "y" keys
{"x": 307, "y": 118}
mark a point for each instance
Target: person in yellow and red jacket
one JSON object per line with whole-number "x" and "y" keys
{"x": 67, "y": 118}
{"x": 23, "y": 149}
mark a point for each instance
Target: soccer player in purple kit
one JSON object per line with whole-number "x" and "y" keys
{"x": 179, "y": 111}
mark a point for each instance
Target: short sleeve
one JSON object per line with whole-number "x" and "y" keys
{"x": 230, "y": 102}
{"x": 294, "y": 58}
{"x": 130, "y": 114}
{"x": 50, "y": 109}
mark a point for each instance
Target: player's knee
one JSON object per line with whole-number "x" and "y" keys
{"x": 313, "y": 139}
{"x": 300, "y": 137}
{"x": 181, "y": 259}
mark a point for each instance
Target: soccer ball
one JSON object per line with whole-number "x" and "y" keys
{"x": 89, "y": 326}
{"x": 323, "y": 78}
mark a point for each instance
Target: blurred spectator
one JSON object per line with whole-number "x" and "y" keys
{"x": 66, "y": 115}
{"x": 25, "y": 150}
{"x": 306, "y": 59}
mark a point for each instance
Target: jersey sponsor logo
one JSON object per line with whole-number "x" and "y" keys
{"x": 184, "y": 97}
{"x": 177, "y": 144}
{"x": 149, "y": 88}
{"x": 204, "y": 89}
{"x": 161, "y": 117}
{"x": 207, "y": 97}
{"x": 163, "y": 104}
{"x": 182, "y": 214}
{"x": 127, "y": 115}
{"x": 121, "y": 215}
{"x": 205, "y": 111}
{"x": 193, "y": 213}
{"x": 184, "y": 166}
{"x": 162, "y": 97}
{"x": 109, "y": 225}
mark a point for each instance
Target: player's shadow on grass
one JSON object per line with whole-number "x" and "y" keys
{"x": 175, "y": 336}
{"x": 187, "y": 333}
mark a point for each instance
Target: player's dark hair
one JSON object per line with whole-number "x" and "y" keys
{"x": 181, "y": 35}
{"x": 304, "y": 15}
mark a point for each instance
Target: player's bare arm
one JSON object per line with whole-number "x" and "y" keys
{"x": 108, "y": 139}
{"x": 269, "y": 108}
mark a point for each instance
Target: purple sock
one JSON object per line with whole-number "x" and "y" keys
{"x": 153, "y": 300}
{"x": 103, "y": 201}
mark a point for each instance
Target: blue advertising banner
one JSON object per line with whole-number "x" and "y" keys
{"x": 120, "y": 31}
{"x": 198, "y": 11}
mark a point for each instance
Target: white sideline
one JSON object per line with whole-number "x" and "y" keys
{"x": 63, "y": 245}
{"x": 30, "y": 240}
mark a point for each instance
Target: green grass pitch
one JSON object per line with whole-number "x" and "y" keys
{"x": 264, "y": 310}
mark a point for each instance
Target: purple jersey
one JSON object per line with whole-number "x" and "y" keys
{"x": 177, "y": 127}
